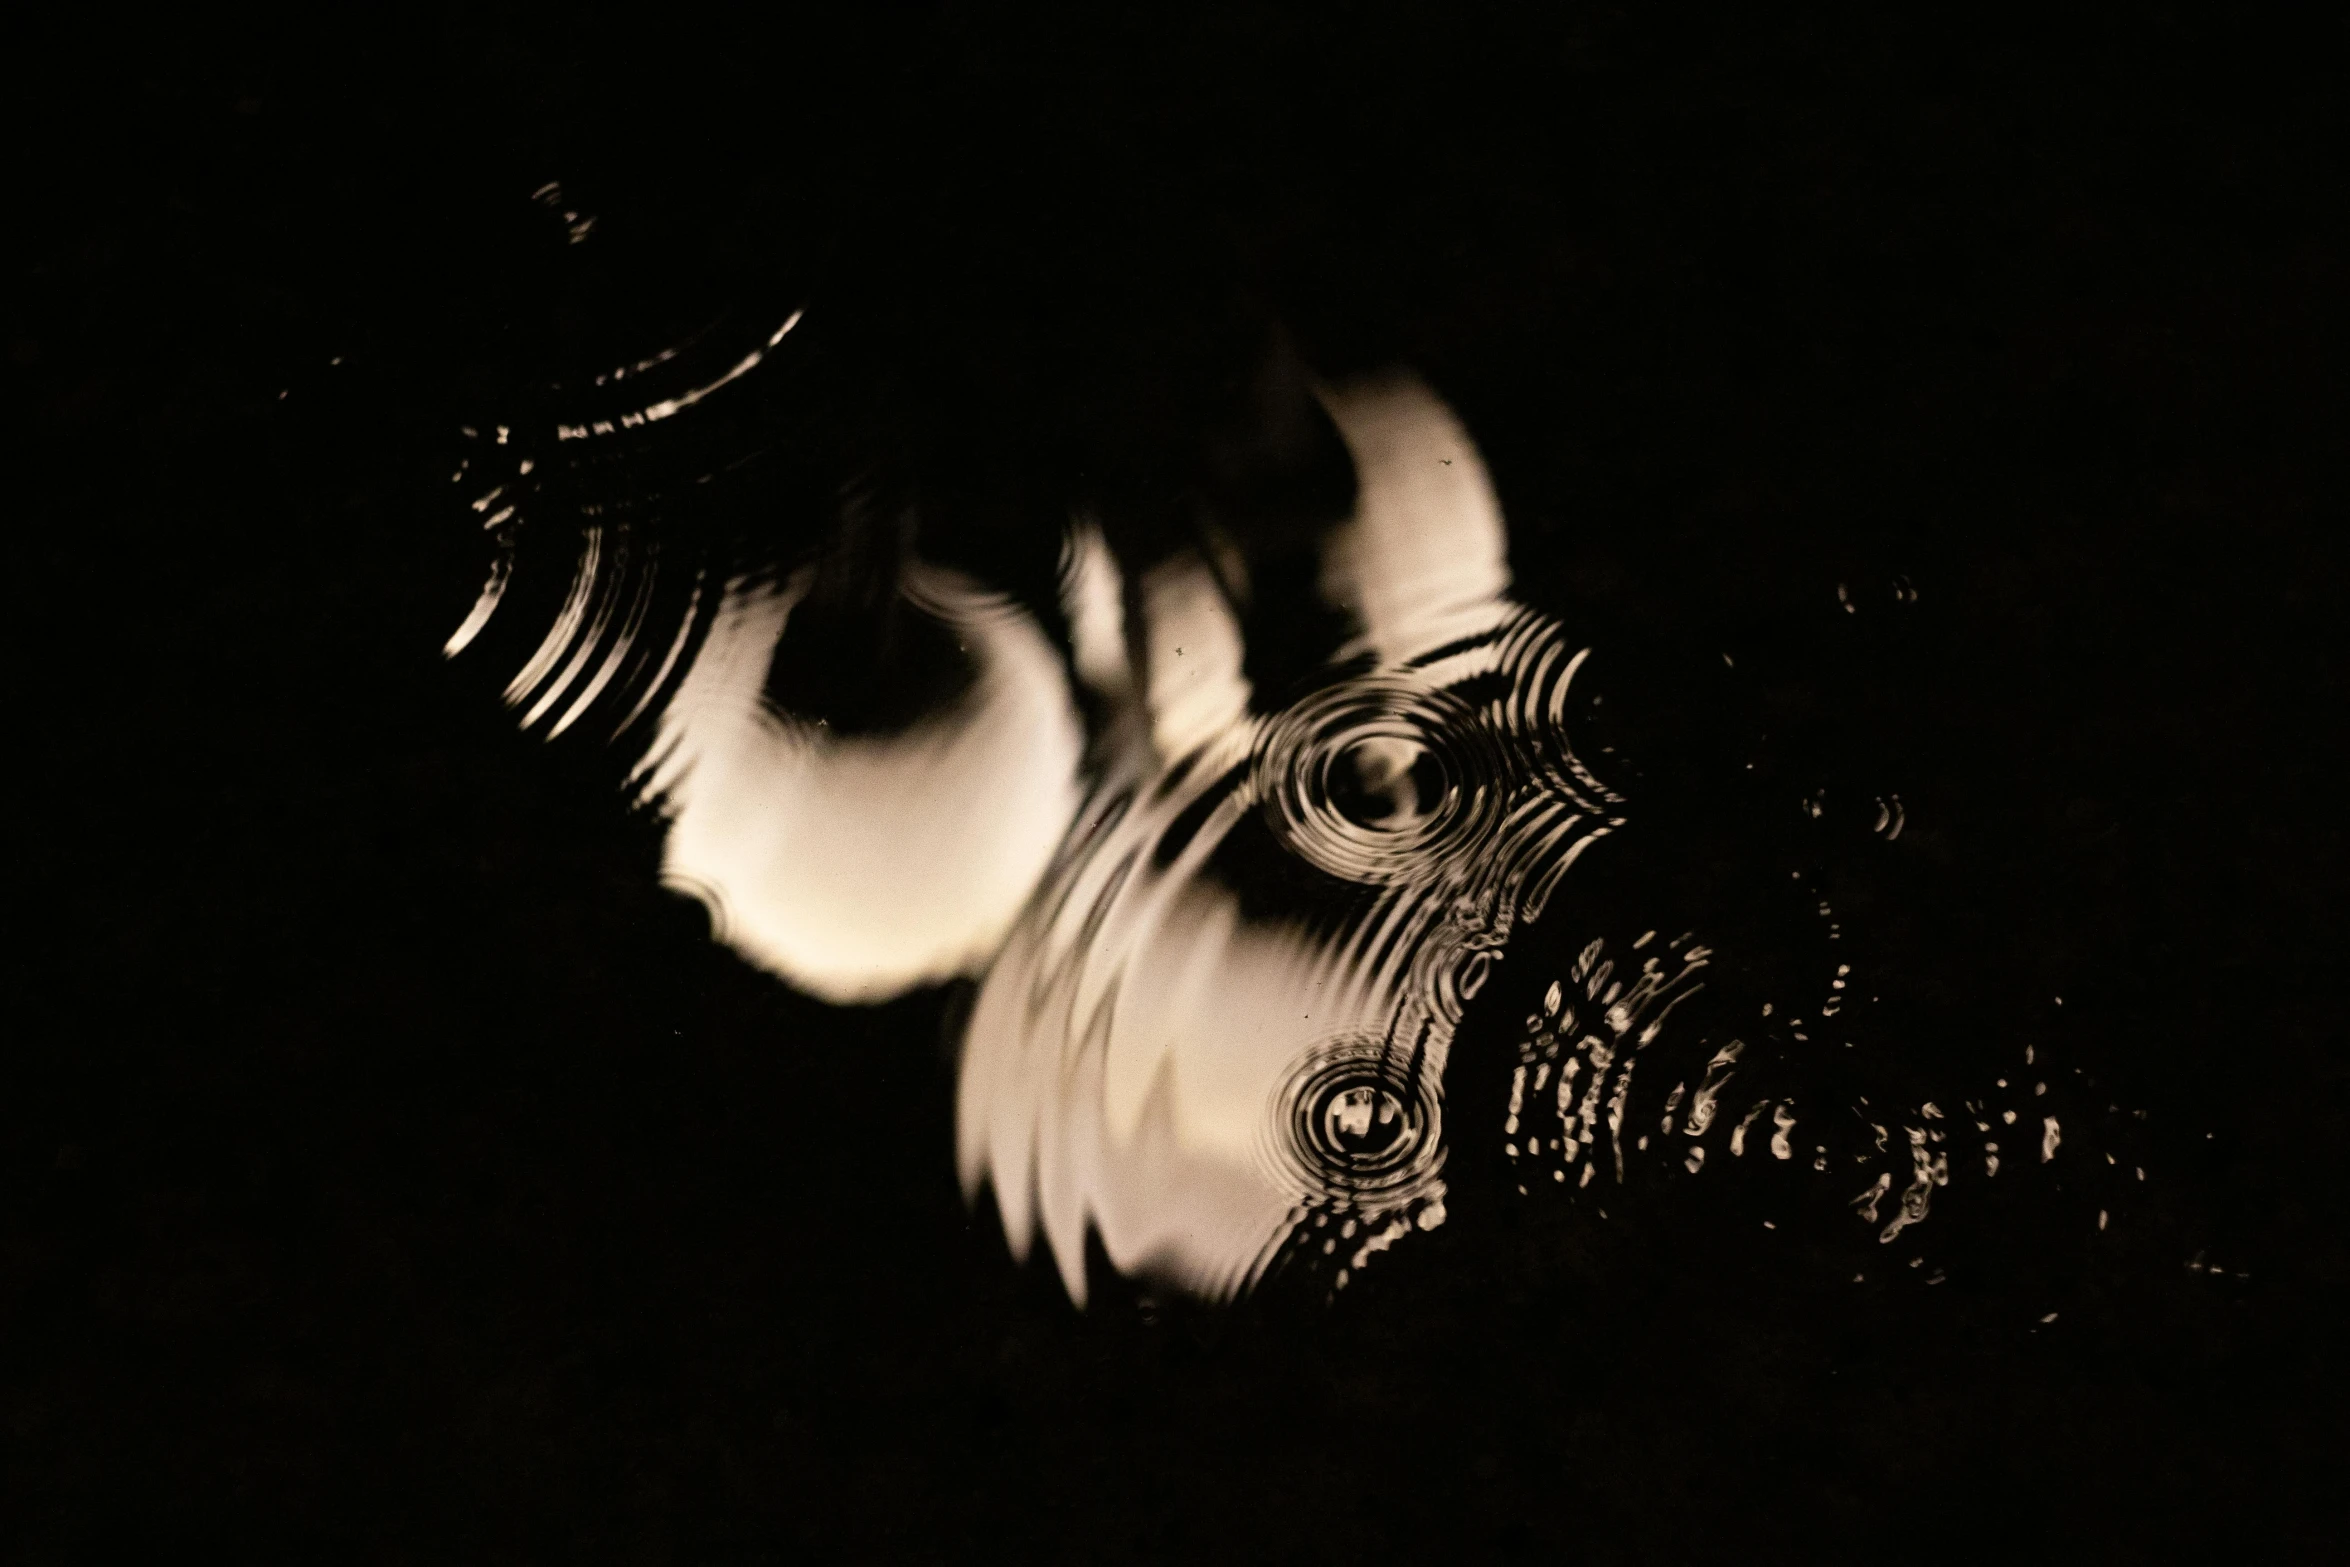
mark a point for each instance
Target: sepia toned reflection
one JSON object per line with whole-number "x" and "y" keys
{"x": 1224, "y": 940}
{"x": 1189, "y": 1078}
{"x": 857, "y": 867}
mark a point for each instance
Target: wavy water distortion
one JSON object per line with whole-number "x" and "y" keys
{"x": 597, "y": 509}
{"x": 1583, "y": 1114}
{"x": 1225, "y": 939}
{"x": 1192, "y": 1079}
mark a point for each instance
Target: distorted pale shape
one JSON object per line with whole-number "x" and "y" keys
{"x": 858, "y": 867}
{"x": 1188, "y": 1078}
{"x": 1197, "y": 1062}
{"x": 1144, "y": 1058}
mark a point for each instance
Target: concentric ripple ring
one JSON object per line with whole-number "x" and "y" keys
{"x": 1381, "y": 779}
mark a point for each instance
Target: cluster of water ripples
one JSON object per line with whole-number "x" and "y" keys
{"x": 1581, "y": 1109}
{"x": 1217, "y": 1072}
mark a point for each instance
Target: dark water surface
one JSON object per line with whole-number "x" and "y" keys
{"x": 1538, "y": 787}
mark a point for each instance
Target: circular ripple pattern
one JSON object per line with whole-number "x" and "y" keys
{"x": 1541, "y": 665}
{"x": 1381, "y": 780}
{"x": 1354, "y": 1128}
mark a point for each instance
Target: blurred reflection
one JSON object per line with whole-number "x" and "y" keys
{"x": 1224, "y": 938}
{"x": 1147, "y": 1057}
{"x": 1192, "y": 1060}
{"x": 860, "y": 866}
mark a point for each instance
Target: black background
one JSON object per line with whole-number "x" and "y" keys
{"x": 394, "y": 1173}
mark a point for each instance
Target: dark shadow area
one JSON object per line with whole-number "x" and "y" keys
{"x": 391, "y": 1171}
